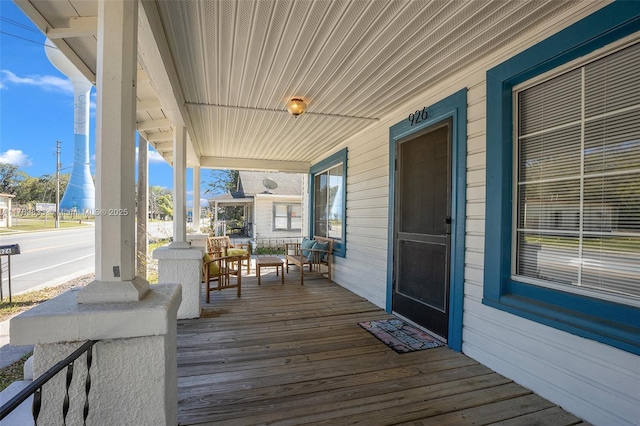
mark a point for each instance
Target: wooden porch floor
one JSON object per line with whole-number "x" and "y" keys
{"x": 295, "y": 355}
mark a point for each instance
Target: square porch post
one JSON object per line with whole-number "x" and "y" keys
{"x": 196, "y": 200}
{"x": 197, "y": 238}
{"x": 134, "y": 373}
{"x": 179, "y": 262}
{"x": 142, "y": 238}
{"x": 180, "y": 188}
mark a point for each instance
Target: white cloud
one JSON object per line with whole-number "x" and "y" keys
{"x": 45, "y": 82}
{"x": 15, "y": 157}
{"x": 152, "y": 156}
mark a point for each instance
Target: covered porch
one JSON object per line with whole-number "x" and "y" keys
{"x": 291, "y": 354}
{"x": 209, "y": 84}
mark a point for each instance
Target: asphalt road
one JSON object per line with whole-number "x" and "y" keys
{"x": 48, "y": 258}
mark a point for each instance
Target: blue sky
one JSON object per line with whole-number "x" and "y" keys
{"x": 36, "y": 106}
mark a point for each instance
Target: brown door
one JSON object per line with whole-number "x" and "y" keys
{"x": 422, "y": 229}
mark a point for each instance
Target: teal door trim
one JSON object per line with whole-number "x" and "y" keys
{"x": 454, "y": 106}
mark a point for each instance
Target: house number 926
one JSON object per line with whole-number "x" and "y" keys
{"x": 418, "y": 116}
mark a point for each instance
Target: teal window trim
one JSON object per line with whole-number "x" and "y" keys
{"x": 611, "y": 323}
{"x": 340, "y": 157}
{"x": 454, "y": 106}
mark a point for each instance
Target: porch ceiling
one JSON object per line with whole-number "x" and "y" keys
{"x": 225, "y": 69}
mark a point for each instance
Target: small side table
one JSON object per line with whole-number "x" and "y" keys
{"x": 270, "y": 262}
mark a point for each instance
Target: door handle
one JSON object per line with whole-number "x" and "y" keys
{"x": 447, "y": 225}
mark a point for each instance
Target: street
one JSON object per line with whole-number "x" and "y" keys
{"x": 48, "y": 258}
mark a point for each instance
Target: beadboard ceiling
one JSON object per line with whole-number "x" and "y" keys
{"x": 237, "y": 63}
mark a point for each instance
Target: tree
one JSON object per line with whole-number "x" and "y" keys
{"x": 165, "y": 206}
{"x": 160, "y": 202}
{"x": 41, "y": 189}
{"x": 222, "y": 181}
{"x": 10, "y": 177}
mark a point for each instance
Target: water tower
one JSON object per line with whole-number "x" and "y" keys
{"x": 81, "y": 191}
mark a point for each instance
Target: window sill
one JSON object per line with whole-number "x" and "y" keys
{"x": 606, "y": 322}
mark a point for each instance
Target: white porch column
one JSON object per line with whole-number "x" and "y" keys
{"x": 134, "y": 370}
{"x": 142, "y": 239}
{"x": 115, "y": 157}
{"x": 179, "y": 188}
{"x": 179, "y": 262}
{"x": 197, "y": 238}
{"x": 254, "y": 231}
{"x": 196, "y": 199}
{"x": 215, "y": 218}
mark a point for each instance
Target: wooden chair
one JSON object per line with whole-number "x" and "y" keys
{"x": 223, "y": 245}
{"x": 218, "y": 273}
{"x": 313, "y": 258}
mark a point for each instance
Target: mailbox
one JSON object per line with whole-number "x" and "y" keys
{"x": 9, "y": 249}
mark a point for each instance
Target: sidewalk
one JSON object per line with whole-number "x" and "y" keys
{"x": 8, "y": 353}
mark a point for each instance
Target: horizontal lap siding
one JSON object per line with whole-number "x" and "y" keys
{"x": 364, "y": 268}
{"x": 593, "y": 380}
{"x": 264, "y": 219}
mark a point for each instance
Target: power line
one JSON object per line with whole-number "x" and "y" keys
{"x": 26, "y": 39}
{"x": 19, "y": 24}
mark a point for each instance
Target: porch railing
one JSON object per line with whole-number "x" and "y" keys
{"x": 273, "y": 246}
{"x": 35, "y": 387}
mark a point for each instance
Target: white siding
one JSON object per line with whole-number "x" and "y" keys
{"x": 264, "y": 218}
{"x": 594, "y": 381}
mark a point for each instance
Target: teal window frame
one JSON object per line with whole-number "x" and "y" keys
{"x": 340, "y": 157}
{"x": 611, "y": 323}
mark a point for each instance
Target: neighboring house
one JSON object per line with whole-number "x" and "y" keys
{"x": 5, "y": 210}
{"x": 272, "y": 203}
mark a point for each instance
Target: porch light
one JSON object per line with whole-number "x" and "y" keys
{"x": 296, "y": 106}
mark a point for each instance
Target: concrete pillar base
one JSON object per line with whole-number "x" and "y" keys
{"x": 134, "y": 369}
{"x": 179, "y": 245}
{"x": 114, "y": 291}
{"x": 198, "y": 241}
{"x": 182, "y": 266}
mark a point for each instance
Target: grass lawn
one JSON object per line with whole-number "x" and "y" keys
{"x": 22, "y": 302}
{"x": 40, "y": 225}
{"x": 12, "y": 373}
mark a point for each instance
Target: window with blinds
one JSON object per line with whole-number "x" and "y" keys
{"x": 577, "y": 197}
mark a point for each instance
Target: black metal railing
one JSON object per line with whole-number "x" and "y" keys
{"x": 35, "y": 387}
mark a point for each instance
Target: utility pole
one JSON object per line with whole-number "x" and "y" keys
{"x": 57, "y": 184}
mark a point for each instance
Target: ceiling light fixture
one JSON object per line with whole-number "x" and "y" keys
{"x": 296, "y": 106}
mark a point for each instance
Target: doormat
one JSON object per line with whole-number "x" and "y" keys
{"x": 399, "y": 336}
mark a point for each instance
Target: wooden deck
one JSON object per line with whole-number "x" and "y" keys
{"x": 296, "y": 355}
